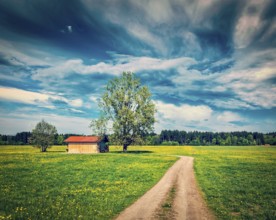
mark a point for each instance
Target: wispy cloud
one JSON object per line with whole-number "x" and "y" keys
{"x": 76, "y": 103}
{"x": 120, "y": 64}
{"x": 18, "y": 95}
{"x": 209, "y": 64}
{"x": 15, "y": 55}
{"x": 252, "y": 86}
{"x": 45, "y": 100}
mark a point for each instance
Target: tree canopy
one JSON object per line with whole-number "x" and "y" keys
{"x": 43, "y": 136}
{"x": 127, "y": 105}
{"x": 237, "y": 138}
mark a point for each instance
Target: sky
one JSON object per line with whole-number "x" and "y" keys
{"x": 209, "y": 64}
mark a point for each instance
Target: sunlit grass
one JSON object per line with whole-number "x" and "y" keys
{"x": 237, "y": 182}
{"x": 57, "y": 185}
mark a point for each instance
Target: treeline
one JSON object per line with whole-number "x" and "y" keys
{"x": 176, "y": 137}
{"x": 171, "y": 138}
{"x": 22, "y": 138}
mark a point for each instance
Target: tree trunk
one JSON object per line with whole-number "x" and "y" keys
{"x": 125, "y": 147}
{"x": 43, "y": 149}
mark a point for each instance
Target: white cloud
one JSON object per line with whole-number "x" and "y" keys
{"x": 187, "y": 77}
{"x": 143, "y": 34}
{"x": 161, "y": 8}
{"x": 13, "y": 77}
{"x": 94, "y": 98}
{"x": 262, "y": 97}
{"x": 35, "y": 98}
{"x": 248, "y": 58}
{"x": 190, "y": 118}
{"x": 76, "y": 103}
{"x": 183, "y": 112}
{"x": 251, "y": 87}
{"x": 70, "y": 30}
{"x": 265, "y": 73}
{"x": 17, "y": 54}
{"x": 23, "y": 96}
{"x": 230, "y": 104}
{"x": 228, "y": 116}
{"x": 245, "y": 30}
{"x": 76, "y": 110}
{"x": 121, "y": 63}
{"x": 250, "y": 80}
{"x": 60, "y": 70}
{"x": 171, "y": 117}
{"x": 191, "y": 43}
{"x": 248, "y": 24}
{"x": 141, "y": 29}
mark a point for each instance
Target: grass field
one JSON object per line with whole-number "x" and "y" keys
{"x": 56, "y": 185}
{"x": 237, "y": 182}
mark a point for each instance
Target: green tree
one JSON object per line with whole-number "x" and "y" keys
{"x": 60, "y": 139}
{"x": 250, "y": 139}
{"x": 43, "y": 136}
{"x": 196, "y": 142}
{"x": 214, "y": 141}
{"x": 234, "y": 140}
{"x": 228, "y": 140}
{"x": 128, "y": 107}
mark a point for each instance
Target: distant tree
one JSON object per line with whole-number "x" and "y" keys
{"x": 156, "y": 140}
{"x": 218, "y": 138}
{"x": 234, "y": 140}
{"x": 127, "y": 105}
{"x": 228, "y": 140}
{"x": 250, "y": 139}
{"x": 195, "y": 142}
{"x": 60, "y": 139}
{"x": 22, "y": 137}
{"x": 99, "y": 126}
{"x": 214, "y": 141}
{"x": 43, "y": 136}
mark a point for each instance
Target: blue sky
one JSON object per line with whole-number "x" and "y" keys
{"x": 210, "y": 64}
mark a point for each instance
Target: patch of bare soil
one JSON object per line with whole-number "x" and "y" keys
{"x": 175, "y": 196}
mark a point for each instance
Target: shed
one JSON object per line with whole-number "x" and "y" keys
{"x": 86, "y": 144}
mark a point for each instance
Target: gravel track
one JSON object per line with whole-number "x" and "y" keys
{"x": 187, "y": 204}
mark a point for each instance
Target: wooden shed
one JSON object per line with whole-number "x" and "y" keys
{"x": 86, "y": 144}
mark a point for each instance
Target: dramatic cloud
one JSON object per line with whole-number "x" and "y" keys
{"x": 209, "y": 64}
{"x": 253, "y": 86}
{"x": 120, "y": 64}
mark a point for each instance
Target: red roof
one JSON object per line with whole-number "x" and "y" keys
{"x": 82, "y": 139}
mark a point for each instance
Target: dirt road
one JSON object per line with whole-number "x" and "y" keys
{"x": 187, "y": 202}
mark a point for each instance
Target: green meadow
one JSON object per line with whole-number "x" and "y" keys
{"x": 237, "y": 182}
